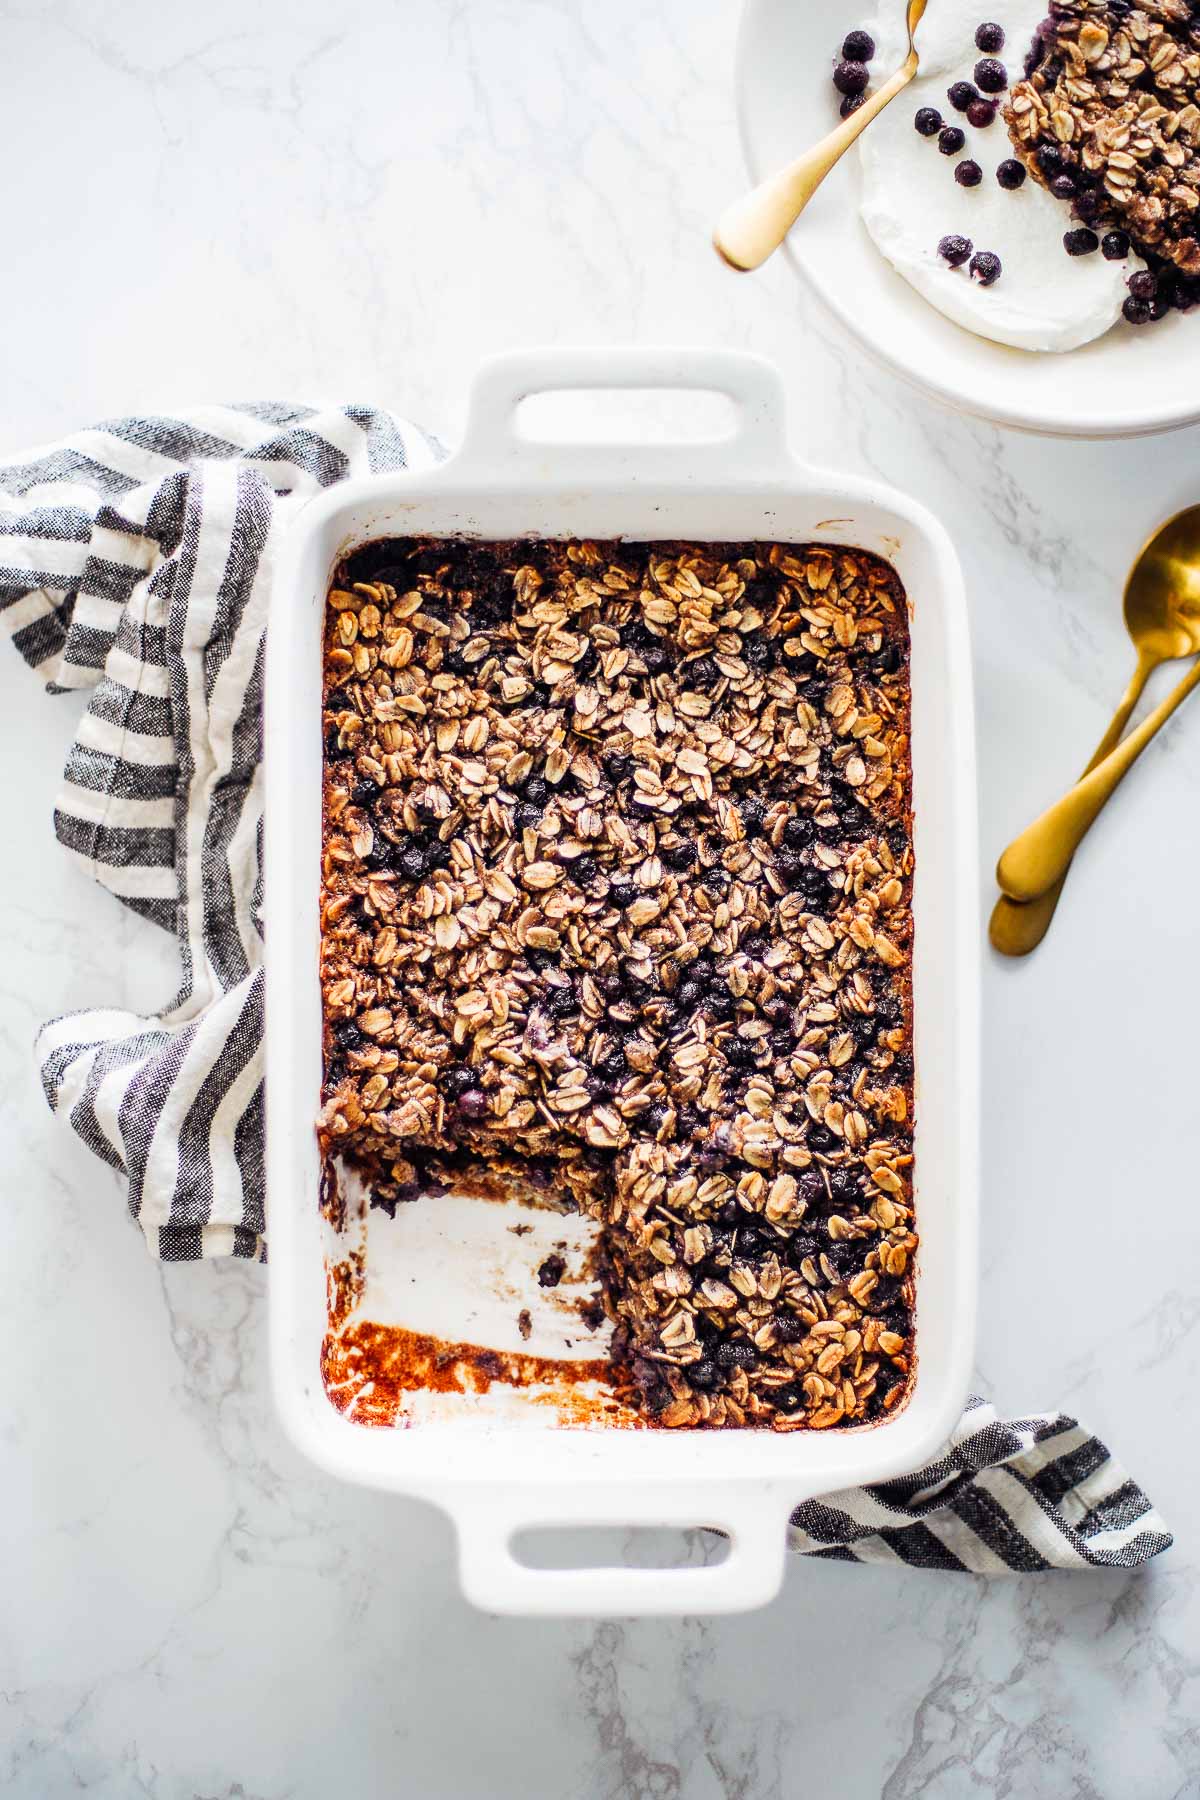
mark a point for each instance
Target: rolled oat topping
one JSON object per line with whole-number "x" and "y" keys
{"x": 1111, "y": 100}
{"x": 616, "y": 904}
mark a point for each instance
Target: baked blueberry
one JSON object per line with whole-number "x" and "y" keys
{"x": 1170, "y": 286}
{"x": 561, "y": 1003}
{"x": 753, "y": 811}
{"x": 701, "y": 674}
{"x": 1080, "y": 242}
{"x": 788, "y": 865}
{"x": 681, "y": 856}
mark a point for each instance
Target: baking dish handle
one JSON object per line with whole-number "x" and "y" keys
{"x": 753, "y": 1519}
{"x": 494, "y": 444}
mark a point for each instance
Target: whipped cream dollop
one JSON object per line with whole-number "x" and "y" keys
{"x": 1043, "y": 299}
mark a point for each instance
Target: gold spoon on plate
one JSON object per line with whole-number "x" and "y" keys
{"x": 752, "y": 228}
{"x": 1162, "y": 616}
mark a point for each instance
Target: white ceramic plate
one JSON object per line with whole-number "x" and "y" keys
{"x": 1125, "y": 384}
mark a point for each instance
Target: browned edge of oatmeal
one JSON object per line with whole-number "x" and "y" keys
{"x": 616, "y": 904}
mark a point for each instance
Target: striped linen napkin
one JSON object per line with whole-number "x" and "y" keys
{"x": 136, "y": 561}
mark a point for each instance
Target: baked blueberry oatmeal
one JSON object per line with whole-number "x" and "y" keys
{"x": 616, "y": 906}
{"x": 1108, "y": 118}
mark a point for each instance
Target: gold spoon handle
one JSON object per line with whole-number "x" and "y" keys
{"x": 1017, "y": 926}
{"x": 1035, "y": 861}
{"x": 753, "y": 227}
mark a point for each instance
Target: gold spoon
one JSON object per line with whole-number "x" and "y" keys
{"x": 752, "y": 228}
{"x": 1162, "y": 616}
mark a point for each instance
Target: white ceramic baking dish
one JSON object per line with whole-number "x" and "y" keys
{"x": 493, "y": 1477}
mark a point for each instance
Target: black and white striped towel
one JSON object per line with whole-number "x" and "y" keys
{"x": 1006, "y": 1496}
{"x": 136, "y": 560}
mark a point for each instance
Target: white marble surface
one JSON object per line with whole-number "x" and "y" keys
{"x": 250, "y": 198}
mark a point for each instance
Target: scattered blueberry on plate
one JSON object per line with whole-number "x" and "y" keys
{"x": 991, "y": 76}
{"x": 985, "y": 267}
{"x": 955, "y": 250}
{"x": 850, "y": 77}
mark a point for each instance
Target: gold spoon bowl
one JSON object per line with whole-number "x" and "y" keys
{"x": 1162, "y": 617}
